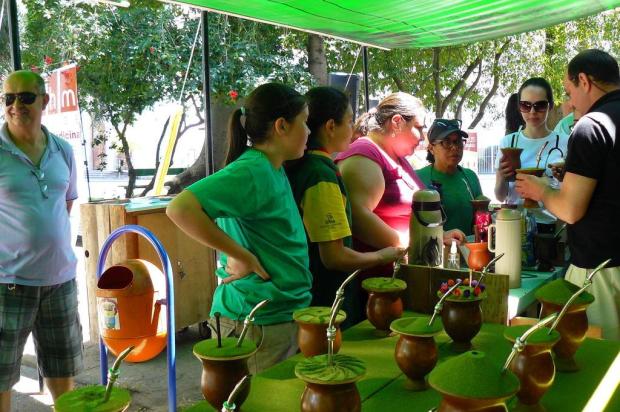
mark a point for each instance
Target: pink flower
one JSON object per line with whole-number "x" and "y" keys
{"x": 233, "y": 95}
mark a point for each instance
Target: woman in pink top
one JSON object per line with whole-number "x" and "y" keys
{"x": 379, "y": 179}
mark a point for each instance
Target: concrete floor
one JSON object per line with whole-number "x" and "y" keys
{"x": 147, "y": 381}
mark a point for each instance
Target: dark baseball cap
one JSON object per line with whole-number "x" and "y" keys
{"x": 442, "y": 128}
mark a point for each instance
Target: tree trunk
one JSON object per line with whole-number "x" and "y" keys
{"x": 468, "y": 92}
{"x": 494, "y": 87}
{"x": 220, "y": 112}
{"x": 157, "y": 150}
{"x": 192, "y": 174}
{"x": 456, "y": 89}
{"x": 317, "y": 61}
{"x": 131, "y": 172}
{"x": 436, "y": 82}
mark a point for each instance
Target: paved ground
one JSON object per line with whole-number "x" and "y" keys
{"x": 147, "y": 381}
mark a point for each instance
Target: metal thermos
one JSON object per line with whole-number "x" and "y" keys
{"x": 426, "y": 229}
{"x": 506, "y": 233}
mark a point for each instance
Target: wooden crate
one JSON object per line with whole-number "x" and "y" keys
{"x": 423, "y": 283}
{"x": 193, "y": 264}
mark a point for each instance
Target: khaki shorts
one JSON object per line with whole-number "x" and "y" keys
{"x": 605, "y": 310}
{"x": 51, "y": 314}
{"x": 275, "y": 342}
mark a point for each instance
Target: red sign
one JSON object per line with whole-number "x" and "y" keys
{"x": 62, "y": 89}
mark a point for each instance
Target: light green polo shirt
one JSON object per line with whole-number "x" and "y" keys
{"x": 252, "y": 202}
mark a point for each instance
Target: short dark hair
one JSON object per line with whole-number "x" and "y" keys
{"x": 538, "y": 82}
{"x": 600, "y": 65}
{"x": 325, "y": 103}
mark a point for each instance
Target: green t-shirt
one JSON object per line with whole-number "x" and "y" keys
{"x": 252, "y": 202}
{"x": 321, "y": 197}
{"x": 454, "y": 195}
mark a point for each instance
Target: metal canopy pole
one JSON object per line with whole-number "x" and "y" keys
{"x": 206, "y": 87}
{"x": 16, "y": 57}
{"x": 365, "y": 61}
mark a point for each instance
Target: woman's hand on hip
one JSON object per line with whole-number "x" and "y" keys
{"x": 243, "y": 266}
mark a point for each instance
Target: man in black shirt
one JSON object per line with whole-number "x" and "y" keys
{"x": 589, "y": 198}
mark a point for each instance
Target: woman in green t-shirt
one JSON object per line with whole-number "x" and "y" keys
{"x": 324, "y": 205}
{"x": 248, "y": 213}
{"x": 457, "y": 185}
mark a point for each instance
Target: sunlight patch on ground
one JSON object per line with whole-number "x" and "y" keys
{"x": 605, "y": 388}
{"x": 30, "y": 387}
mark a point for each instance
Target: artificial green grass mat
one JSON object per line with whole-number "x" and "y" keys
{"x": 417, "y": 326}
{"x": 384, "y": 284}
{"x": 318, "y": 315}
{"x": 559, "y": 292}
{"x": 208, "y": 348}
{"x": 541, "y": 335}
{"x": 382, "y": 388}
{"x": 88, "y": 399}
{"x": 344, "y": 369}
{"x": 473, "y": 374}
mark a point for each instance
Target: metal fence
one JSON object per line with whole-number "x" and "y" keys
{"x": 486, "y": 160}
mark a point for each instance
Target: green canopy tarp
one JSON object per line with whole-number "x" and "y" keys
{"x": 409, "y": 23}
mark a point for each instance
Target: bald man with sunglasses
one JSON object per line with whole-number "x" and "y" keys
{"x": 38, "y": 293}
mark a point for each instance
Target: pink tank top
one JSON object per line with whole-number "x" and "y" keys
{"x": 401, "y": 181}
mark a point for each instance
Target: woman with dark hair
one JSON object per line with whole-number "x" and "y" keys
{"x": 378, "y": 177}
{"x": 324, "y": 204}
{"x": 248, "y": 213}
{"x": 535, "y": 101}
{"x": 457, "y": 185}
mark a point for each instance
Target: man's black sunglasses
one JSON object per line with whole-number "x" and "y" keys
{"x": 24, "y": 98}
{"x": 539, "y": 107}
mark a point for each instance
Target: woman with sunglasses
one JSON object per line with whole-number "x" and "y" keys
{"x": 457, "y": 185}
{"x": 378, "y": 177}
{"x": 535, "y": 101}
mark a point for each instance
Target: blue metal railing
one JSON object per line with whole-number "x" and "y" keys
{"x": 165, "y": 262}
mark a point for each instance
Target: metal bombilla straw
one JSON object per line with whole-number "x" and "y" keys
{"x": 331, "y": 330}
{"x": 340, "y": 291}
{"x": 439, "y": 304}
{"x": 486, "y": 268}
{"x": 249, "y": 319}
{"x": 229, "y": 405}
{"x": 586, "y": 284}
{"x": 539, "y": 154}
{"x": 521, "y": 340}
{"x": 397, "y": 266}
{"x": 114, "y": 373}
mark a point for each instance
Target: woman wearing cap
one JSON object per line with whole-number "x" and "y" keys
{"x": 379, "y": 179}
{"x": 535, "y": 101}
{"x": 457, "y": 185}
